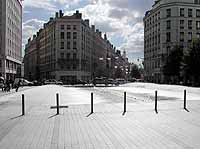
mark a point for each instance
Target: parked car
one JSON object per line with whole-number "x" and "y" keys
{"x": 132, "y": 80}
{"x": 121, "y": 80}
{"x": 53, "y": 81}
{"x": 80, "y": 82}
{"x": 112, "y": 81}
{"x": 23, "y": 82}
{"x": 140, "y": 80}
{"x": 59, "y": 82}
{"x": 101, "y": 80}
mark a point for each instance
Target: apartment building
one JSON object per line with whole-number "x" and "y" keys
{"x": 167, "y": 24}
{"x": 69, "y": 49}
{"x": 10, "y": 38}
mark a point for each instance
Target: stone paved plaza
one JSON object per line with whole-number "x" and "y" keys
{"x": 140, "y": 127}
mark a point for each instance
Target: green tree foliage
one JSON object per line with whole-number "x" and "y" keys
{"x": 118, "y": 73}
{"x": 135, "y": 72}
{"x": 192, "y": 63}
{"x": 172, "y": 67}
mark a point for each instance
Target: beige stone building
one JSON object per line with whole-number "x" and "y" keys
{"x": 10, "y": 38}
{"x": 69, "y": 49}
{"x": 168, "y": 23}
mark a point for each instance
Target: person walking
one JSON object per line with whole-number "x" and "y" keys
{"x": 18, "y": 85}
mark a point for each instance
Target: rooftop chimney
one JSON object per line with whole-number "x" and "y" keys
{"x": 87, "y": 22}
{"x": 56, "y": 15}
{"x": 93, "y": 28}
{"x": 60, "y": 13}
{"x": 105, "y": 36}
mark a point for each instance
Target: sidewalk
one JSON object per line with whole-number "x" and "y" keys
{"x": 141, "y": 127}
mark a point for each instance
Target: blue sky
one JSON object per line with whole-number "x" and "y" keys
{"x": 120, "y": 19}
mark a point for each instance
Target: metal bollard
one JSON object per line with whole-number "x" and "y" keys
{"x": 156, "y": 101}
{"x": 23, "y": 105}
{"x": 57, "y": 102}
{"x": 92, "y": 103}
{"x": 185, "y": 100}
{"x": 124, "y": 102}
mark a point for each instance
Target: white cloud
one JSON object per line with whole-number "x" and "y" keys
{"x": 118, "y": 18}
{"x": 116, "y": 21}
{"x": 30, "y": 27}
{"x": 43, "y": 4}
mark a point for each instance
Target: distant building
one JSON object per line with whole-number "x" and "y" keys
{"x": 10, "y": 38}
{"x": 68, "y": 49}
{"x": 168, "y": 23}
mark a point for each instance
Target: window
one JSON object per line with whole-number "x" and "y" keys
{"x": 68, "y": 35}
{"x": 62, "y": 45}
{"x": 74, "y": 27}
{"x": 168, "y": 24}
{"x": 189, "y": 24}
{"x": 68, "y": 55}
{"x": 168, "y": 12}
{"x": 189, "y": 36}
{"x": 68, "y": 45}
{"x": 62, "y": 35}
{"x": 182, "y": 36}
{"x": 182, "y": 12}
{"x": 74, "y": 56}
{"x": 168, "y": 50}
{"x": 74, "y": 66}
{"x": 197, "y": 1}
{"x": 68, "y": 27}
{"x": 62, "y": 26}
{"x": 74, "y": 35}
{"x": 198, "y": 35}
{"x": 62, "y": 55}
{"x": 181, "y": 24}
{"x": 74, "y": 45}
{"x": 198, "y": 24}
{"x": 168, "y": 37}
{"x": 189, "y": 12}
{"x": 198, "y": 12}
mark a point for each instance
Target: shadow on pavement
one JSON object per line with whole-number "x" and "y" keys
{"x": 53, "y": 116}
{"x": 16, "y": 117}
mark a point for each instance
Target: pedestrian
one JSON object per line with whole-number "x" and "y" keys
{"x": 7, "y": 86}
{"x": 18, "y": 85}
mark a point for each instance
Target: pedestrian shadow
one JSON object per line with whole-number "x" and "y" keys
{"x": 186, "y": 110}
{"x": 53, "y": 116}
{"x": 123, "y": 114}
{"x": 16, "y": 117}
{"x": 89, "y": 114}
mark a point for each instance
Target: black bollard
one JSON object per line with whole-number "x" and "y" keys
{"x": 57, "y": 101}
{"x": 23, "y": 105}
{"x": 185, "y": 100}
{"x": 92, "y": 103}
{"x": 156, "y": 101}
{"x": 124, "y": 103}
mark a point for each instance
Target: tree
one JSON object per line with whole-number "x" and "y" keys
{"x": 118, "y": 73}
{"x": 135, "y": 72}
{"x": 192, "y": 63}
{"x": 173, "y": 65}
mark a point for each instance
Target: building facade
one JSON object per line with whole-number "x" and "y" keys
{"x": 67, "y": 48}
{"x": 167, "y": 24}
{"x": 10, "y": 38}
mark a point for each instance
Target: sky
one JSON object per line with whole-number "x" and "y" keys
{"x": 121, "y": 20}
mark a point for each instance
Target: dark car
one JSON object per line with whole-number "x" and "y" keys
{"x": 80, "y": 82}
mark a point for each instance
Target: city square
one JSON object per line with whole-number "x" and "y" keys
{"x": 98, "y": 74}
{"x": 74, "y": 127}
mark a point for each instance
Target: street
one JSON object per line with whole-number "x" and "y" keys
{"x": 74, "y": 127}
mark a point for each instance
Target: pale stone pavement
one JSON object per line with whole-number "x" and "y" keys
{"x": 140, "y": 127}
